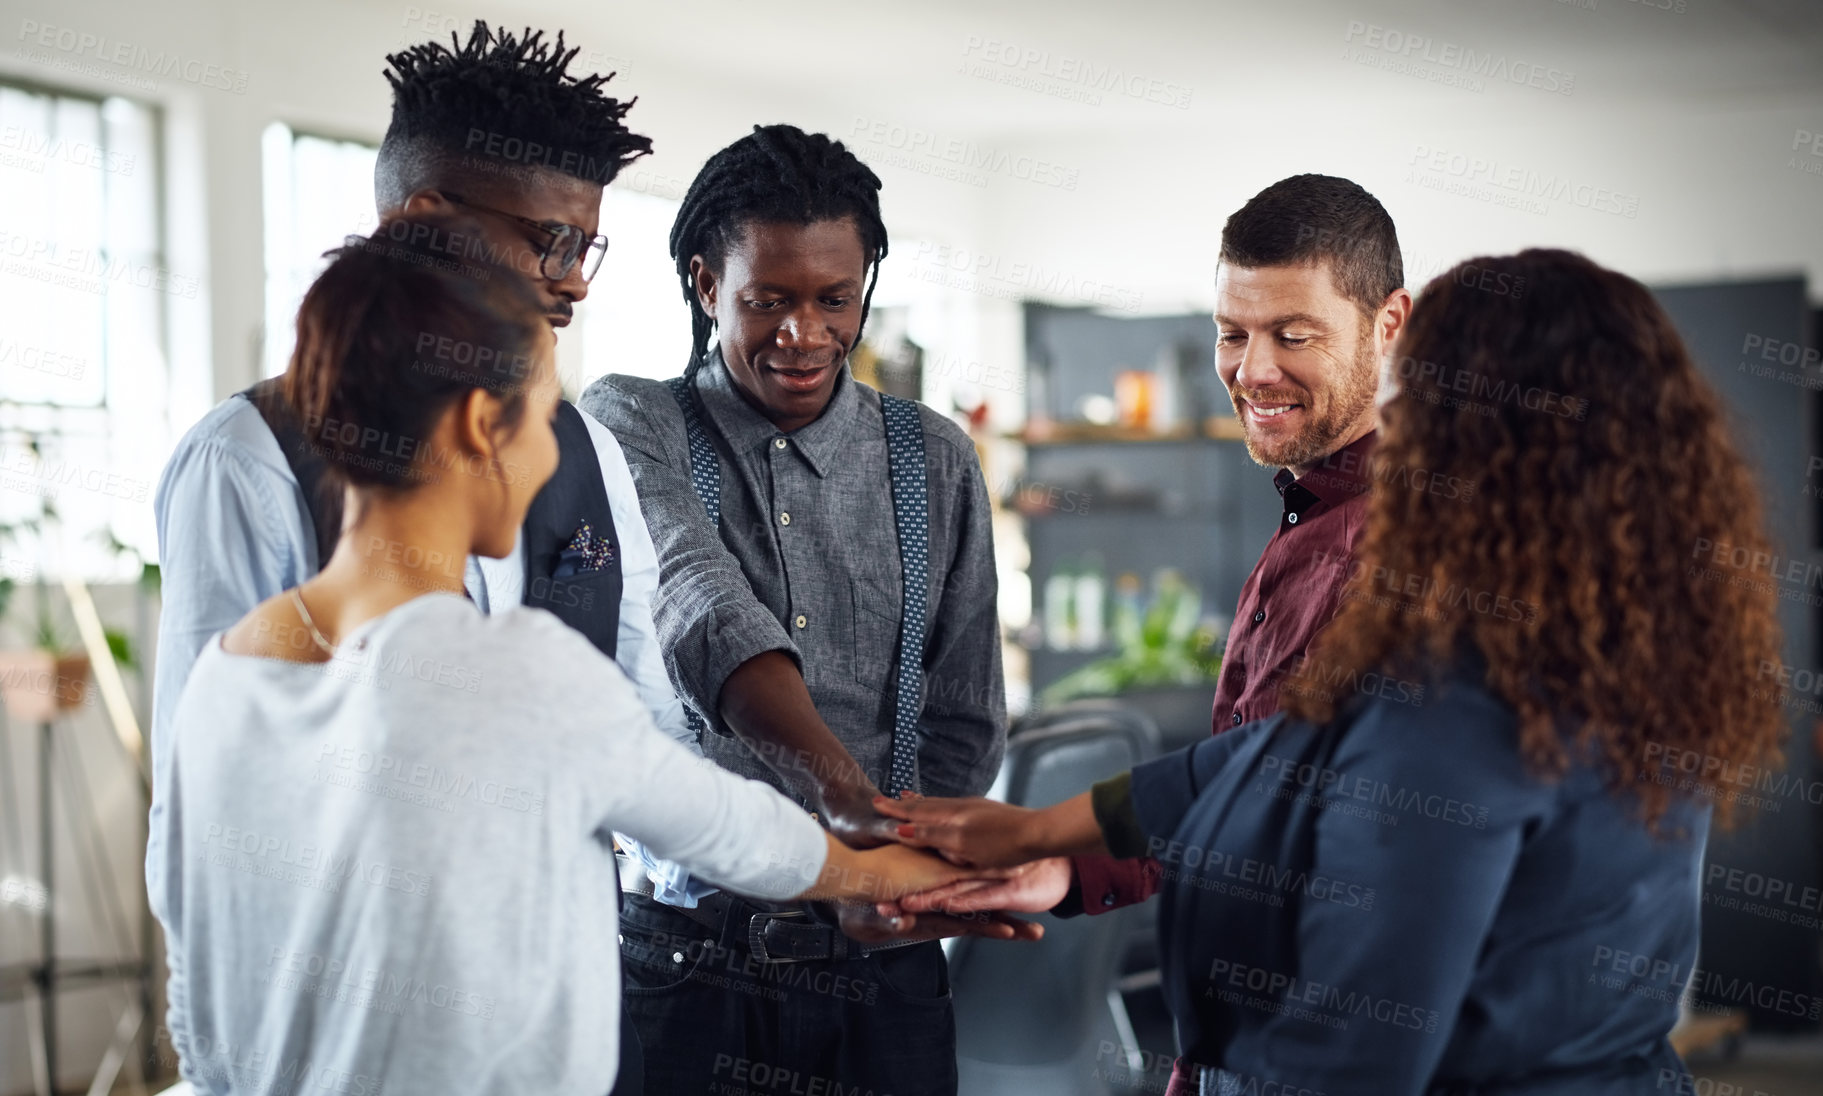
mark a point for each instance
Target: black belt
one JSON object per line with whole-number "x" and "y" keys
{"x": 786, "y": 935}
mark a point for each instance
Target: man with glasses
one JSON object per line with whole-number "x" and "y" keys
{"x": 560, "y": 251}
{"x": 498, "y": 127}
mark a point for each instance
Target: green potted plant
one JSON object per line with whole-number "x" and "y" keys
{"x": 47, "y": 675}
{"x": 1164, "y": 643}
{"x": 1166, "y": 661}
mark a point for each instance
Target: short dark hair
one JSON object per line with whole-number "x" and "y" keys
{"x": 494, "y": 111}
{"x": 779, "y": 174}
{"x": 393, "y": 332}
{"x": 1315, "y": 218}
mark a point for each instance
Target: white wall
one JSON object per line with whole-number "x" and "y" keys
{"x": 1691, "y": 114}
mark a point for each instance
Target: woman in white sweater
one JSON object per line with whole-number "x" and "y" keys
{"x": 387, "y": 850}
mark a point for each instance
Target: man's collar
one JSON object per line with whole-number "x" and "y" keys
{"x": 745, "y": 429}
{"x": 1341, "y": 475}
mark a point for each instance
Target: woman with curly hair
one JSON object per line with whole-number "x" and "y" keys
{"x": 1459, "y": 859}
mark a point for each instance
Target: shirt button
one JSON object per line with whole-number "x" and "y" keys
{"x": 1107, "y": 899}
{"x": 1259, "y": 616}
{"x": 778, "y": 443}
{"x": 677, "y": 957}
{"x": 784, "y": 519}
{"x": 1237, "y": 719}
{"x": 802, "y": 620}
{"x": 1292, "y": 517}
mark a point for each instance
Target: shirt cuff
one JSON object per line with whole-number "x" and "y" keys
{"x": 1112, "y": 802}
{"x": 1104, "y": 883}
{"x": 721, "y": 644}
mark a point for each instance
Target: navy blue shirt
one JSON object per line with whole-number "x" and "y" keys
{"x": 1394, "y": 903}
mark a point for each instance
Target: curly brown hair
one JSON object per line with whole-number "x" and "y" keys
{"x": 1600, "y": 460}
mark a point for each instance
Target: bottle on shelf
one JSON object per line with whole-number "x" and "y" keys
{"x": 1129, "y": 610}
{"x": 1091, "y": 604}
{"x": 1059, "y": 615}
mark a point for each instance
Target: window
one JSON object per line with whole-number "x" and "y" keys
{"x": 635, "y": 320}
{"x": 84, "y": 303}
{"x": 318, "y": 191}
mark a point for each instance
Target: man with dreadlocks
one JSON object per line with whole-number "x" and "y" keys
{"x": 498, "y": 131}
{"x": 826, "y": 563}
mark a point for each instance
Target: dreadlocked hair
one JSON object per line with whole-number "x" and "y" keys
{"x": 780, "y": 174}
{"x": 502, "y": 106}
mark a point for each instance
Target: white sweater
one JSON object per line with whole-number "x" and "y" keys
{"x": 392, "y": 872}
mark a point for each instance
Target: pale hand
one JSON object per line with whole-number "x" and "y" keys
{"x": 1036, "y": 887}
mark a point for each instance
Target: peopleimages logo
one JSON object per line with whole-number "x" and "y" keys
{"x": 972, "y": 159}
{"x": 1462, "y": 59}
{"x": 516, "y": 150}
{"x": 1210, "y": 865}
{"x": 1062, "y": 75}
{"x": 1528, "y": 186}
{"x": 432, "y": 779}
{"x": 83, "y": 44}
{"x": 1330, "y": 1004}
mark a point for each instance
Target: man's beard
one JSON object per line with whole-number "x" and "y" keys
{"x": 1349, "y": 399}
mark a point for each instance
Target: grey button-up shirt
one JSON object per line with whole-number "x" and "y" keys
{"x": 807, "y": 562}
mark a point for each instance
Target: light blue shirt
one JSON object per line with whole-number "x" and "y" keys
{"x": 234, "y": 530}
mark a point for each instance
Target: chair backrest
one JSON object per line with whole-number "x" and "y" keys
{"x": 1030, "y": 1016}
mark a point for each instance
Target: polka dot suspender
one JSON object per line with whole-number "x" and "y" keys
{"x": 911, "y": 516}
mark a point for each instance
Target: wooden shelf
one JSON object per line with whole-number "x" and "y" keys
{"x": 1223, "y": 428}
{"x": 1215, "y": 428}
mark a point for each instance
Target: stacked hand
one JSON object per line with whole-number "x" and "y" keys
{"x": 911, "y": 900}
{"x": 978, "y": 833}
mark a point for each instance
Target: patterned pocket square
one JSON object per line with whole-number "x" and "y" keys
{"x": 585, "y": 553}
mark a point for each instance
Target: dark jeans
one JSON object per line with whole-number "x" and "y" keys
{"x": 715, "y": 1021}
{"x": 630, "y": 1080}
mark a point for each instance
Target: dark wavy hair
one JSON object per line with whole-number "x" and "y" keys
{"x": 1600, "y": 457}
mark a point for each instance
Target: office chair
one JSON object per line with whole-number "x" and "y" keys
{"x": 1045, "y": 1018}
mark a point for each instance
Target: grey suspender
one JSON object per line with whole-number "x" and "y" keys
{"x": 911, "y": 516}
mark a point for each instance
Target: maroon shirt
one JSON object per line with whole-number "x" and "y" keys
{"x": 1294, "y": 590}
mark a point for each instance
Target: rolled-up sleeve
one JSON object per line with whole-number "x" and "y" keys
{"x": 709, "y": 620}
{"x": 1165, "y": 787}
{"x": 1147, "y": 811}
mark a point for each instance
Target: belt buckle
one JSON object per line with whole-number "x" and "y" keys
{"x": 756, "y": 934}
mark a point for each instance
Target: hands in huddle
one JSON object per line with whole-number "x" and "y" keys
{"x": 992, "y": 859}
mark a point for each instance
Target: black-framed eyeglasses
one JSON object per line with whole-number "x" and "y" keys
{"x": 567, "y": 244}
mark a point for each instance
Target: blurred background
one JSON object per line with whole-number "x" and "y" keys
{"x": 1056, "y": 178}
